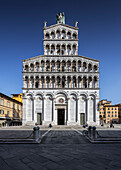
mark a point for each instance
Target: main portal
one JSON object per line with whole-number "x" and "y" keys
{"x": 61, "y": 116}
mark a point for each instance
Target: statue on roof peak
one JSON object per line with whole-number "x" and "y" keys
{"x": 60, "y": 18}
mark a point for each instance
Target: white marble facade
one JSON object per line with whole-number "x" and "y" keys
{"x": 60, "y": 87}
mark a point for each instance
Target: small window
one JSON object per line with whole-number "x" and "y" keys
{"x": 2, "y": 102}
{"x": 13, "y": 114}
{"x": 17, "y": 107}
{"x": 115, "y": 111}
{"x": 108, "y": 115}
{"x": 17, "y": 114}
{"x": 8, "y": 104}
{"x": 115, "y": 115}
{"x": 108, "y": 108}
{"x": 2, "y": 112}
{"x": 112, "y": 115}
{"x": 112, "y": 108}
{"x": 115, "y": 108}
{"x": 13, "y": 106}
{"x": 112, "y": 112}
{"x": 8, "y": 113}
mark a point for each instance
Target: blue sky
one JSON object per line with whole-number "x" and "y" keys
{"x": 21, "y": 34}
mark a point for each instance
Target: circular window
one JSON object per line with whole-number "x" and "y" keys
{"x": 61, "y": 100}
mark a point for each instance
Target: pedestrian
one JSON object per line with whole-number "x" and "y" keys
{"x": 50, "y": 125}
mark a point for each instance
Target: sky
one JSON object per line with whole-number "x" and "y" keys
{"x": 21, "y": 34}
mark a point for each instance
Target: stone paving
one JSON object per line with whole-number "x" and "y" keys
{"x": 18, "y": 134}
{"x": 61, "y": 149}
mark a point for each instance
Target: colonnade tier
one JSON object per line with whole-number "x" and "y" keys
{"x": 61, "y": 82}
{"x": 60, "y": 49}
{"x": 60, "y": 34}
{"x": 61, "y": 66}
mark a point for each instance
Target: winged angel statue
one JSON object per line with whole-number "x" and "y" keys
{"x": 60, "y": 18}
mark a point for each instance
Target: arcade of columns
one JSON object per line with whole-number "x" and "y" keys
{"x": 58, "y": 81}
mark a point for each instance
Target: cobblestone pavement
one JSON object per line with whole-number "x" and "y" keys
{"x": 61, "y": 149}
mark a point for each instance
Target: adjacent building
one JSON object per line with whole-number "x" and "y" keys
{"x": 17, "y": 97}
{"x": 119, "y": 111}
{"x": 10, "y": 111}
{"x": 108, "y": 113}
{"x": 60, "y": 87}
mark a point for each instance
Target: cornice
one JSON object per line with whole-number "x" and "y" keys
{"x": 61, "y": 24}
{"x": 66, "y": 56}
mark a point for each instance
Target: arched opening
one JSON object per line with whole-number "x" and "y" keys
{"x": 68, "y": 49}
{"x": 52, "y": 49}
{"x": 89, "y": 67}
{"x": 37, "y": 82}
{"x": 58, "y": 65}
{"x": 90, "y": 82}
{"x": 63, "y": 49}
{"x": 47, "y": 81}
{"x": 52, "y": 35}
{"x": 42, "y": 81}
{"x": 53, "y": 81}
{"x": 84, "y": 82}
{"x": 74, "y": 82}
{"x": 47, "y": 65}
{"x": 63, "y": 66}
{"x": 47, "y": 36}
{"x": 84, "y": 66}
{"x": 68, "y": 35}
{"x": 95, "y": 68}
{"x": 79, "y": 66}
{"x": 74, "y": 66}
{"x": 32, "y": 82}
{"x": 47, "y": 49}
{"x": 53, "y": 65}
{"x": 32, "y": 67}
{"x": 42, "y": 65}
{"x": 74, "y": 36}
{"x": 58, "y": 81}
{"x": 58, "y": 49}
{"x": 69, "y": 66}
{"x": 68, "y": 81}
{"x": 79, "y": 82}
{"x": 26, "y": 68}
{"x": 63, "y": 82}
{"x": 74, "y": 49}
{"x": 58, "y": 34}
{"x": 26, "y": 82}
{"x": 63, "y": 34}
{"x": 37, "y": 66}
{"x": 95, "y": 82}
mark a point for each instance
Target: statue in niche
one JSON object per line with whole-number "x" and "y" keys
{"x": 60, "y": 18}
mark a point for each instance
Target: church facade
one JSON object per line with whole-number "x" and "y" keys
{"x": 60, "y": 87}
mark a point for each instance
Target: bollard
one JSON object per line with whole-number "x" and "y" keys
{"x": 94, "y": 132}
{"x": 36, "y": 133}
{"x": 89, "y": 131}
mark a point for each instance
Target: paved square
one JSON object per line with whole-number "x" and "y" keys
{"x": 61, "y": 149}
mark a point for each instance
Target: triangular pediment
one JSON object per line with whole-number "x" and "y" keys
{"x": 60, "y": 25}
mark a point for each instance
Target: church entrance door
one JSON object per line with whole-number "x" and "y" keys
{"x": 82, "y": 118}
{"x": 61, "y": 115}
{"x": 39, "y": 119}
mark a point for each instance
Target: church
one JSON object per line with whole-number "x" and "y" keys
{"x": 60, "y": 87}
